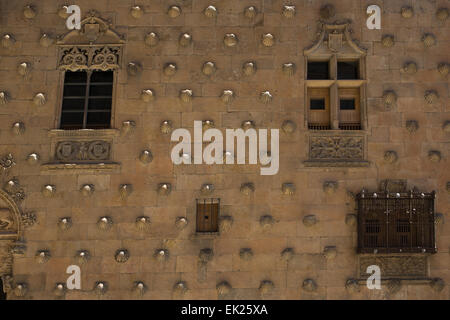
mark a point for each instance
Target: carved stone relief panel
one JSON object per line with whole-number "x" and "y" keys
{"x": 97, "y": 150}
{"x": 396, "y": 266}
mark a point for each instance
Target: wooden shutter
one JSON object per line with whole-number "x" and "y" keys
{"x": 207, "y": 215}
{"x": 319, "y": 119}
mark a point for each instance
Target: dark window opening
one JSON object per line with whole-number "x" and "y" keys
{"x": 2, "y": 293}
{"x": 317, "y": 104}
{"x": 347, "y": 104}
{"x": 318, "y": 70}
{"x": 87, "y": 100}
{"x": 394, "y": 223}
{"x": 348, "y": 70}
{"x": 208, "y": 215}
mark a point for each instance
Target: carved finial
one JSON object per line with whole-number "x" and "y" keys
{"x": 170, "y": 69}
{"x": 146, "y": 156}
{"x": 407, "y": 12}
{"x": 288, "y": 11}
{"x": 247, "y": 188}
{"x": 390, "y": 156}
{"x": 210, "y": 11}
{"x": 166, "y": 127}
{"x": 29, "y": 12}
{"x": 174, "y": 11}
{"x": 428, "y": 40}
{"x": 209, "y": 68}
{"x": 105, "y": 223}
{"x": 136, "y": 12}
{"x": 431, "y": 96}
{"x": 268, "y": 40}
{"x": 39, "y": 99}
{"x": 8, "y": 41}
{"x": 122, "y": 255}
{"x": 45, "y": 40}
{"x": 230, "y": 40}
{"x": 249, "y": 68}
{"x": 185, "y": 39}
{"x": 151, "y": 39}
{"x": 147, "y": 95}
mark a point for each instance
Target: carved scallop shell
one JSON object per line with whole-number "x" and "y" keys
{"x": 352, "y": 285}
{"x": 246, "y": 254}
{"x": 248, "y": 124}
{"x": 247, "y": 188}
{"x": 62, "y": 12}
{"x": 48, "y": 191}
{"x": 170, "y": 69}
{"x": 207, "y": 188}
{"x": 151, "y": 39}
{"x": 249, "y": 68}
{"x": 309, "y": 285}
{"x": 4, "y": 97}
{"x": 174, "y": 11}
{"x": 442, "y": 14}
{"x": 128, "y": 127}
{"x": 434, "y": 156}
{"x": 29, "y": 12}
{"x": 309, "y": 220}
{"x": 390, "y": 156}
{"x": 24, "y": 68}
{"x": 223, "y": 288}
{"x": 139, "y": 288}
{"x": 288, "y": 69}
{"x": 209, "y": 68}
{"x": 166, "y": 127}
{"x": 388, "y": 41}
{"x": 82, "y": 256}
{"x": 186, "y": 95}
{"x": 330, "y": 187}
{"x": 330, "y": 252}
{"x": 8, "y": 41}
{"x": 39, "y": 99}
{"x": 87, "y": 190}
{"x": 389, "y": 98}
{"x": 437, "y": 284}
{"x": 431, "y": 96}
{"x": 146, "y": 156}
{"x": 266, "y": 287}
{"x": 105, "y": 223}
{"x": 225, "y": 223}
{"x": 125, "y": 190}
{"x": 438, "y": 218}
{"x": 227, "y": 96}
{"x": 161, "y": 255}
{"x": 288, "y": 11}
{"x": 205, "y": 255}
{"x": 230, "y": 40}
{"x": 268, "y": 40}
{"x": 287, "y": 254}
{"x": 327, "y": 11}
{"x": 136, "y": 12}
{"x": 266, "y": 222}
{"x": 147, "y": 95}
{"x": 60, "y": 289}
{"x": 122, "y": 255}
{"x": 407, "y": 12}
{"x": 134, "y": 68}
{"x": 265, "y": 97}
{"x": 210, "y": 11}
{"x": 42, "y": 256}
{"x": 100, "y": 288}
{"x": 45, "y": 40}
{"x": 185, "y": 39}
{"x": 412, "y": 126}
{"x": 164, "y": 188}
{"x": 143, "y": 223}
{"x": 288, "y": 189}
{"x": 446, "y": 126}
{"x": 351, "y": 219}
{"x": 180, "y": 288}
{"x": 181, "y": 222}
{"x": 21, "y": 289}
{"x": 65, "y": 223}
{"x": 409, "y": 68}
{"x": 33, "y": 158}
{"x": 443, "y": 68}
{"x": 289, "y": 126}
{"x": 250, "y": 12}
{"x": 428, "y": 40}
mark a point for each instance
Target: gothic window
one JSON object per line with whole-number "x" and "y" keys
{"x": 396, "y": 222}
{"x": 208, "y": 215}
{"x": 335, "y": 73}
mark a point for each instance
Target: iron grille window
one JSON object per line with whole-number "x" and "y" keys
{"x": 396, "y": 222}
{"x": 87, "y": 100}
{"x": 208, "y": 215}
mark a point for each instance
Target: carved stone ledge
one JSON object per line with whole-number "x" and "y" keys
{"x": 84, "y": 133}
{"x": 87, "y": 168}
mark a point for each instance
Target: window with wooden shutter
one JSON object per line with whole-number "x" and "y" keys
{"x": 208, "y": 215}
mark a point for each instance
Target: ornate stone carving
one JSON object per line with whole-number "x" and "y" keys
{"x": 207, "y": 189}
{"x": 247, "y": 188}
{"x": 388, "y": 41}
{"x": 46, "y": 40}
{"x": 18, "y": 128}
{"x": 39, "y": 99}
{"x": 351, "y": 219}
{"x": 89, "y": 58}
{"x": 87, "y": 190}
{"x": 48, "y": 190}
{"x": 180, "y": 288}
{"x": 230, "y": 40}
{"x": 62, "y": 12}
{"x": 14, "y": 190}
{"x": 151, "y": 39}
{"x": 268, "y": 40}
{"x": 395, "y": 266}
{"x": 29, "y": 12}
{"x": 174, "y": 11}
{"x": 6, "y": 220}
{"x": 446, "y": 126}
{"x": 266, "y": 287}
{"x": 127, "y": 127}
{"x": 309, "y": 285}
{"x": 67, "y": 151}
{"x": 288, "y": 126}
{"x": 225, "y": 223}
{"x": 134, "y": 68}
{"x": 21, "y": 289}
{"x": 60, "y": 289}
{"x": 28, "y": 219}
{"x": 437, "y": 284}
{"x": 143, "y": 223}
{"x": 246, "y": 254}
{"x": 7, "y": 161}
{"x": 407, "y": 12}
{"x": 122, "y": 255}
{"x": 412, "y": 126}
{"x": 248, "y": 124}
{"x": 105, "y": 223}
{"x": 393, "y": 185}
{"x": 288, "y": 188}
{"x": 33, "y": 158}
{"x": 352, "y": 285}
{"x": 210, "y": 11}
{"x": 327, "y": 11}
{"x": 8, "y": 41}
{"x": 250, "y": 12}
{"x": 24, "y": 68}
{"x": 336, "y": 148}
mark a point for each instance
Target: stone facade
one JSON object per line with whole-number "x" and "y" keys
{"x": 95, "y": 198}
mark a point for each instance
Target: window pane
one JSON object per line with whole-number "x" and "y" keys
{"x": 73, "y": 104}
{"x": 72, "y": 90}
{"x": 72, "y": 120}
{"x": 102, "y": 76}
{"x": 75, "y": 77}
{"x": 99, "y": 104}
{"x": 347, "y": 70}
{"x": 347, "y": 104}
{"x": 96, "y": 120}
{"x": 318, "y": 70}
{"x": 100, "y": 90}
{"x": 317, "y": 104}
